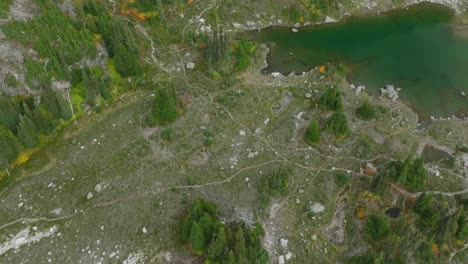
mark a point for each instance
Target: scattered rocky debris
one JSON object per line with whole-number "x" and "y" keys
{"x": 283, "y": 103}
{"x": 335, "y": 230}
{"x": 284, "y": 242}
{"x": 359, "y": 89}
{"x": 190, "y": 65}
{"x": 281, "y": 259}
{"x": 390, "y": 92}
{"x": 25, "y": 236}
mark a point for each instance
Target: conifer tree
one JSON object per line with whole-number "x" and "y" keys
{"x": 42, "y": 123}
{"x": 104, "y": 89}
{"x": 313, "y": 133}
{"x": 337, "y": 124}
{"x": 239, "y": 247}
{"x": 219, "y": 246}
{"x": 9, "y": 146}
{"x": 49, "y": 101}
{"x": 64, "y": 106}
{"x": 331, "y": 99}
{"x": 197, "y": 238}
{"x": 8, "y": 113}
{"x": 165, "y": 109}
{"x": 27, "y": 132}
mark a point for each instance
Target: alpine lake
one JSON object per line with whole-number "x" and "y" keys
{"x": 418, "y": 48}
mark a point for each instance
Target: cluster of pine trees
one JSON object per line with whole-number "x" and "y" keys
{"x": 24, "y": 122}
{"x": 337, "y": 124}
{"x": 243, "y": 53}
{"x": 165, "y": 105}
{"x": 119, "y": 36}
{"x": 218, "y": 50}
{"x": 95, "y": 87}
{"x": 220, "y": 243}
{"x": 410, "y": 172}
{"x": 438, "y": 224}
{"x": 60, "y": 41}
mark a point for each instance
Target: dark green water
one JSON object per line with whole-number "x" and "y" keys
{"x": 414, "y": 49}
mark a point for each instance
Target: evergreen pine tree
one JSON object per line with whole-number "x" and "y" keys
{"x": 49, "y": 101}
{"x": 219, "y": 246}
{"x": 231, "y": 259}
{"x": 42, "y": 123}
{"x": 197, "y": 238}
{"x": 104, "y": 89}
{"x": 27, "y": 132}
{"x": 9, "y": 146}
{"x": 64, "y": 106}
{"x": 239, "y": 247}
{"x": 331, "y": 99}
{"x": 313, "y": 133}
{"x": 165, "y": 109}
{"x": 8, "y": 113}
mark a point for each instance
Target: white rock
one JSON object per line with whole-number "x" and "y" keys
{"x": 98, "y": 187}
{"x": 20, "y": 205}
{"x": 284, "y": 242}
{"x": 298, "y": 201}
{"x": 294, "y": 30}
{"x": 329, "y": 19}
{"x": 242, "y": 132}
{"x": 247, "y": 179}
{"x": 281, "y": 259}
{"x": 190, "y": 65}
{"x": 56, "y": 211}
{"x": 89, "y": 195}
{"x": 144, "y": 230}
{"x": 352, "y": 86}
{"x": 288, "y": 256}
{"x": 308, "y": 95}
{"x": 314, "y": 237}
{"x": 317, "y": 208}
{"x": 276, "y": 74}
{"x": 359, "y": 89}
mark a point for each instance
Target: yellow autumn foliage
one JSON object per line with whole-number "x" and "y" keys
{"x": 23, "y": 157}
{"x": 435, "y": 249}
{"x": 322, "y": 68}
{"x": 360, "y": 212}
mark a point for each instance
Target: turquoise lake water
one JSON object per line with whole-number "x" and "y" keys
{"x": 415, "y": 49}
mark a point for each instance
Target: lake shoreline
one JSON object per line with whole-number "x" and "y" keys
{"x": 287, "y": 63}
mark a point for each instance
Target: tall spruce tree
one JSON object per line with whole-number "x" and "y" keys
{"x": 312, "y": 136}
{"x": 197, "y": 238}
{"x": 49, "y": 101}
{"x": 219, "y": 247}
{"x": 8, "y": 113}
{"x": 9, "y": 147}
{"x": 165, "y": 108}
{"x": 27, "y": 132}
